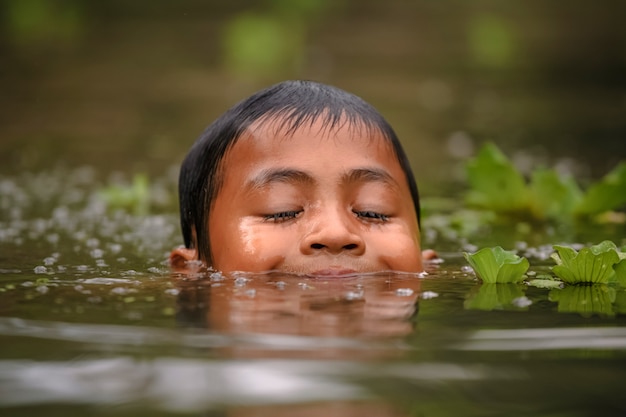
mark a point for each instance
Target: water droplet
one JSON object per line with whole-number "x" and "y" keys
{"x": 42, "y": 289}
{"x": 427, "y": 295}
{"x": 521, "y": 302}
{"x": 241, "y": 281}
{"x": 404, "y": 292}
{"x": 40, "y": 269}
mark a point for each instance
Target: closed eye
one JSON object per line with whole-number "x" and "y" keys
{"x": 371, "y": 216}
{"x": 282, "y": 216}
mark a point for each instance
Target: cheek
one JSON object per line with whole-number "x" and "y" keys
{"x": 247, "y": 247}
{"x": 401, "y": 252}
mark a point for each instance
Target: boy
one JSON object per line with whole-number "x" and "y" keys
{"x": 301, "y": 178}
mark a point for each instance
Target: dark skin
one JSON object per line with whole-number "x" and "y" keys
{"x": 314, "y": 202}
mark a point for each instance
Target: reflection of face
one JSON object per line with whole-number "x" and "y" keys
{"x": 316, "y": 202}
{"x": 379, "y": 305}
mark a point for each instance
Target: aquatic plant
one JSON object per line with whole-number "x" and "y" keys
{"x": 496, "y": 265}
{"x": 594, "y": 264}
{"x": 495, "y": 184}
{"x": 134, "y": 197}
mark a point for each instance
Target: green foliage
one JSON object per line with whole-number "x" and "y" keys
{"x": 545, "y": 283}
{"x": 262, "y": 44}
{"x": 594, "y": 264}
{"x": 496, "y": 265}
{"x": 491, "y": 41}
{"x": 552, "y": 195}
{"x": 608, "y": 194}
{"x": 43, "y": 21}
{"x": 493, "y": 297}
{"x": 495, "y": 184}
{"x": 134, "y": 197}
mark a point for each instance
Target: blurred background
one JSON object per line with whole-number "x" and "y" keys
{"x": 128, "y": 86}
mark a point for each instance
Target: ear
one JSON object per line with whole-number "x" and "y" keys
{"x": 180, "y": 256}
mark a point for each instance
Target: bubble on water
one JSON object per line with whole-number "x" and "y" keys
{"x": 53, "y": 238}
{"x": 280, "y": 285}
{"x": 468, "y": 247}
{"x": 121, "y": 260}
{"x": 216, "y": 276}
{"x": 49, "y": 261}
{"x": 172, "y": 291}
{"x": 43, "y": 289}
{"x": 28, "y": 284}
{"x": 123, "y": 290}
{"x": 61, "y": 268}
{"x": 96, "y": 253}
{"x": 521, "y": 302}
{"x": 101, "y": 263}
{"x": 108, "y": 281}
{"x": 354, "y": 295}
{"x": 130, "y": 272}
{"x": 154, "y": 270}
{"x": 304, "y": 286}
{"x": 92, "y": 242}
{"x": 427, "y": 295}
{"x": 114, "y": 248}
{"x": 40, "y": 269}
{"x": 241, "y": 281}
{"x": 250, "y": 293}
{"x": 466, "y": 269}
{"x": 404, "y": 292}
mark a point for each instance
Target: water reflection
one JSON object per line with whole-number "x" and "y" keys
{"x": 586, "y": 300}
{"x": 368, "y": 308}
{"x": 497, "y": 296}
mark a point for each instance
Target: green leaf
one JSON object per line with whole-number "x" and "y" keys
{"x": 134, "y": 197}
{"x": 591, "y": 265}
{"x": 497, "y": 265}
{"x": 620, "y": 272}
{"x": 495, "y": 183}
{"x": 608, "y": 194}
{"x": 553, "y": 196}
{"x": 493, "y": 297}
{"x": 545, "y": 283}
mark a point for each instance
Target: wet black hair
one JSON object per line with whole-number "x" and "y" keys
{"x": 293, "y": 104}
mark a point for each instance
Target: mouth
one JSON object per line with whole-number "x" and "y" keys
{"x": 332, "y": 272}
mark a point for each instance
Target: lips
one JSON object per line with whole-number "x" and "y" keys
{"x": 332, "y": 272}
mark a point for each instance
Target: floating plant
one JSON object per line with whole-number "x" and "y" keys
{"x": 596, "y": 264}
{"x": 496, "y": 184}
{"x": 496, "y": 265}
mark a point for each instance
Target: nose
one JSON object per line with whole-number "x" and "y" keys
{"x": 335, "y": 232}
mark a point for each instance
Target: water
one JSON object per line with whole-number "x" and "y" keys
{"x": 94, "y": 322}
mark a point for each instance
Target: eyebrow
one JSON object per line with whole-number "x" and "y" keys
{"x": 268, "y": 177}
{"x": 361, "y": 175}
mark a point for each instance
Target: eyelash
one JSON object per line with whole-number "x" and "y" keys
{"x": 284, "y": 216}
{"x": 372, "y": 216}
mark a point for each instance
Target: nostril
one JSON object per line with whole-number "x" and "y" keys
{"x": 350, "y": 246}
{"x": 317, "y": 246}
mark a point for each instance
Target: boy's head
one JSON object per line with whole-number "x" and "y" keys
{"x": 300, "y": 177}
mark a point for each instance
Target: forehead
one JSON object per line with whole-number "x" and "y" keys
{"x": 276, "y": 136}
